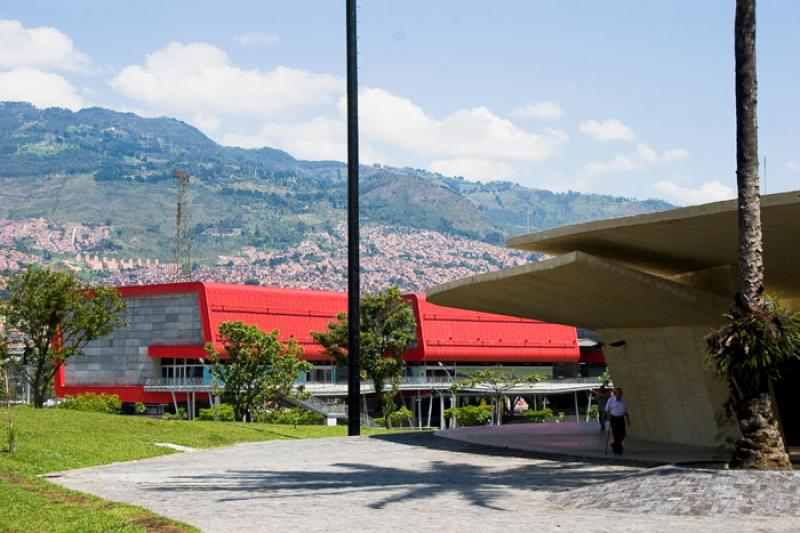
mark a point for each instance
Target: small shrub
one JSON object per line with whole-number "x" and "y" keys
{"x": 470, "y": 415}
{"x": 89, "y": 401}
{"x": 562, "y": 416}
{"x": 224, "y": 413}
{"x": 594, "y": 413}
{"x": 294, "y": 417}
{"x": 539, "y": 416}
{"x": 401, "y": 416}
{"x": 180, "y": 415}
{"x": 139, "y": 408}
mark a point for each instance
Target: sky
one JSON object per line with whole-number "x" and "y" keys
{"x": 628, "y": 98}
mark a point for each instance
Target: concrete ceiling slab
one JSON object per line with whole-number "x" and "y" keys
{"x": 685, "y": 240}
{"x": 583, "y": 290}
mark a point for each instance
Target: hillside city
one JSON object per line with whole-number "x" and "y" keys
{"x": 410, "y": 259}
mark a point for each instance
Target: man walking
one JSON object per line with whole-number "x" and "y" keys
{"x": 617, "y": 410}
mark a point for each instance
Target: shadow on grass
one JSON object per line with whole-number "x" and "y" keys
{"x": 269, "y": 432}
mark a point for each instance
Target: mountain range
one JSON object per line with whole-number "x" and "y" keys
{"x": 102, "y": 167}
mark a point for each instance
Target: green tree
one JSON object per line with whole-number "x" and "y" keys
{"x": 255, "y": 366}
{"x": 498, "y": 384}
{"x": 387, "y": 329}
{"x": 759, "y": 336}
{"x": 57, "y": 316}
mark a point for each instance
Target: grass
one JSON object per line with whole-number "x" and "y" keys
{"x": 50, "y": 440}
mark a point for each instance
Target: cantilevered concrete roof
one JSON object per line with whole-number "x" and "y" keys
{"x": 685, "y": 240}
{"x": 578, "y": 288}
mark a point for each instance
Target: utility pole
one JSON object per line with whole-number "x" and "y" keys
{"x": 183, "y": 251}
{"x": 353, "y": 263}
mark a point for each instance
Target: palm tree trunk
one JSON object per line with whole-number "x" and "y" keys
{"x": 751, "y": 263}
{"x": 760, "y": 444}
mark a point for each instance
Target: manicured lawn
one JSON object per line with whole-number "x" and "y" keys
{"x": 50, "y": 440}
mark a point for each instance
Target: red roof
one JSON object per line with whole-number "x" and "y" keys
{"x": 455, "y": 335}
{"x": 293, "y": 312}
{"x": 443, "y": 334}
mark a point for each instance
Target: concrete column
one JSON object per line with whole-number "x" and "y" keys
{"x": 441, "y": 411}
{"x": 419, "y": 409}
{"x": 430, "y": 407}
{"x": 588, "y": 404}
{"x": 577, "y": 411}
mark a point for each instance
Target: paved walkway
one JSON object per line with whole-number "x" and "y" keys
{"x": 398, "y": 483}
{"x": 582, "y": 440}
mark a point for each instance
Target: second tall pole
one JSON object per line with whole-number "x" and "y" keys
{"x": 353, "y": 274}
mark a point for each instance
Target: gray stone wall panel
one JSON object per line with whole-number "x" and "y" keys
{"x": 121, "y": 358}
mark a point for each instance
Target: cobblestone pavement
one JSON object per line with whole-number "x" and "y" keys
{"x": 403, "y": 483}
{"x": 685, "y": 491}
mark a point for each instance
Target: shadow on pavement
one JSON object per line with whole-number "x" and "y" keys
{"x": 480, "y": 486}
{"x": 428, "y": 440}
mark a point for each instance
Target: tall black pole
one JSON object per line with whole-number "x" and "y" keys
{"x": 353, "y": 281}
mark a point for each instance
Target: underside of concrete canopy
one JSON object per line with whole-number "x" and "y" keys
{"x": 653, "y": 286}
{"x": 689, "y": 239}
{"x": 578, "y": 286}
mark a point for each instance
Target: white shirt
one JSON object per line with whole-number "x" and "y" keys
{"x": 616, "y": 407}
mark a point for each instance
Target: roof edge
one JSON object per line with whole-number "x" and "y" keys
{"x": 531, "y": 241}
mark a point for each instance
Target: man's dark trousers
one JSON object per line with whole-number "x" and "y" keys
{"x": 618, "y": 431}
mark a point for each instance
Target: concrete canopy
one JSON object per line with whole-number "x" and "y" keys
{"x": 689, "y": 239}
{"x": 578, "y": 288}
{"x": 653, "y": 286}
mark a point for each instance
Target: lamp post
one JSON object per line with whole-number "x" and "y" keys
{"x": 353, "y": 278}
{"x": 453, "y": 399}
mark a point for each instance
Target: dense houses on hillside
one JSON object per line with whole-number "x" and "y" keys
{"x": 411, "y": 259}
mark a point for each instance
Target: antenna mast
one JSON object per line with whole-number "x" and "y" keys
{"x": 183, "y": 252}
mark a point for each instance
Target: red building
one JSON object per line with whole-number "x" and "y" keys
{"x": 168, "y": 326}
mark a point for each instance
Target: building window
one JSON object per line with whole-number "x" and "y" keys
{"x": 181, "y": 368}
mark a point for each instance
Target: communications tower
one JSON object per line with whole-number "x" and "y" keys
{"x": 183, "y": 250}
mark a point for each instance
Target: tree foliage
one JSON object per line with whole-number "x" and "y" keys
{"x": 498, "y": 383}
{"x": 754, "y": 345}
{"x": 387, "y": 328}
{"x": 255, "y": 367}
{"x": 57, "y": 316}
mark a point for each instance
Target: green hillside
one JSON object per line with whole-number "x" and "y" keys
{"x": 97, "y": 166}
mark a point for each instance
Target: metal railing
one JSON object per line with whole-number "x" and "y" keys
{"x": 329, "y": 409}
{"x": 177, "y": 383}
{"x": 406, "y": 382}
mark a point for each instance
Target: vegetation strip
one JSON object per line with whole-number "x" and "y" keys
{"x": 51, "y": 440}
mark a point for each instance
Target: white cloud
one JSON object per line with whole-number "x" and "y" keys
{"x": 673, "y": 191}
{"x": 792, "y": 166}
{"x": 42, "y": 89}
{"x": 608, "y": 130}
{"x": 304, "y": 113}
{"x": 318, "y": 138}
{"x": 477, "y": 133}
{"x": 247, "y": 39}
{"x": 474, "y": 143}
{"x": 187, "y": 79}
{"x": 543, "y": 109}
{"x": 641, "y": 158}
{"x": 41, "y": 48}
